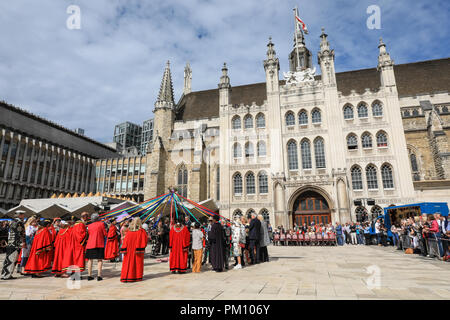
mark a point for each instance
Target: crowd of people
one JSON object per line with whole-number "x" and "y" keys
{"x": 41, "y": 247}
{"x": 428, "y": 235}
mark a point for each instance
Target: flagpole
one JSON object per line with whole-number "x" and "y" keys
{"x": 296, "y": 38}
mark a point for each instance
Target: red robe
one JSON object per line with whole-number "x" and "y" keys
{"x": 63, "y": 251}
{"x": 53, "y": 232}
{"x": 39, "y": 261}
{"x": 112, "y": 244}
{"x": 133, "y": 248}
{"x": 179, "y": 239}
{"x": 79, "y": 238}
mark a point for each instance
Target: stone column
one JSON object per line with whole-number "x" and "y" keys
{"x": 45, "y": 165}
{"x": 63, "y": 177}
{"x": 35, "y": 181}
{"x": 32, "y": 155}
{"x": 58, "y": 158}
{"x": 343, "y": 212}
{"x": 24, "y": 158}
{"x": 8, "y": 156}
{"x": 16, "y": 158}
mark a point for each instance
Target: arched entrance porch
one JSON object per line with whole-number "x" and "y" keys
{"x": 310, "y": 205}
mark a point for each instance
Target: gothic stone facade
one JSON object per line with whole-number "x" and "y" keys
{"x": 307, "y": 148}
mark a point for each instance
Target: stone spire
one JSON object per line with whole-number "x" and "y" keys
{"x": 165, "y": 96}
{"x": 384, "y": 59}
{"x": 224, "y": 79}
{"x": 271, "y": 54}
{"x": 187, "y": 79}
{"x": 324, "y": 44}
{"x": 386, "y": 67}
{"x": 325, "y": 58}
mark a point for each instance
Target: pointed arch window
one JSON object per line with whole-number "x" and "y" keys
{"x": 292, "y": 155}
{"x": 182, "y": 181}
{"x": 250, "y": 183}
{"x": 366, "y": 139}
{"x": 262, "y": 183}
{"x": 261, "y": 149}
{"x": 360, "y": 213}
{"x": 306, "y": 154}
{"x": 348, "y": 112}
{"x": 236, "y": 123}
{"x": 376, "y": 211}
{"x": 265, "y": 215}
{"x": 290, "y": 118}
{"x": 303, "y": 117}
{"x": 362, "y": 111}
{"x": 319, "y": 152}
{"x": 386, "y": 176}
{"x": 260, "y": 121}
{"x": 316, "y": 116}
{"x": 248, "y": 122}
{"x": 382, "y": 139}
{"x": 249, "y": 151}
{"x": 357, "y": 183}
{"x": 371, "y": 176}
{"x": 237, "y": 184}
{"x": 352, "y": 142}
{"x": 237, "y": 214}
{"x": 377, "y": 109}
{"x": 237, "y": 153}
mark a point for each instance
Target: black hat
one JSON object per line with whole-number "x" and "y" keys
{"x": 216, "y": 217}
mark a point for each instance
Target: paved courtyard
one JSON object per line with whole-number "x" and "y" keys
{"x": 292, "y": 273}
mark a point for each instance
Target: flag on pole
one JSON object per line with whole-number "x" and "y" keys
{"x": 301, "y": 24}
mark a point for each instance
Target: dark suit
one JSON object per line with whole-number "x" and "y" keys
{"x": 254, "y": 236}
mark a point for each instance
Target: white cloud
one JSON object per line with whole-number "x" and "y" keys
{"x": 110, "y": 70}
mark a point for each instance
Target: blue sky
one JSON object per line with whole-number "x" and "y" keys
{"x": 110, "y": 70}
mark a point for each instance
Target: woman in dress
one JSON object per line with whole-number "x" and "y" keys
{"x": 30, "y": 231}
{"x": 238, "y": 241}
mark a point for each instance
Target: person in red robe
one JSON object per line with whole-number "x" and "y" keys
{"x": 52, "y": 232}
{"x": 63, "y": 251}
{"x": 38, "y": 261}
{"x": 133, "y": 249}
{"x": 112, "y": 242}
{"x": 79, "y": 238}
{"x": 179, "y": 240}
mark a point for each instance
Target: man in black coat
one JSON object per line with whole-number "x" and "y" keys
{"x": 216, "y": 239}
{"x": 254, "y": 236}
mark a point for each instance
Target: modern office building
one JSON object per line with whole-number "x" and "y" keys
{"x": 128, "y": 134}
{"x": 147, "y": 135}
{"x": 121, "y": 177}
{"x": 40, "y": 158}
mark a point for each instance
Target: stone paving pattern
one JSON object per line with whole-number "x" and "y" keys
{"x": 313, "y": 273}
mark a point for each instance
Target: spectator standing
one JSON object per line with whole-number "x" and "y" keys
{"x": 264, "y": 240}
{"x": 353, "y": 237}
{"x": 237, "y": 240}
{"x": 197, "y": 247}
{"x": 16, "y": 241}
{"x": 254, "y": 237}
{"x": 216, "y": 239}
{"x": 339, "y": 234}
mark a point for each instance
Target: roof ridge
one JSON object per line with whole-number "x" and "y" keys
{"x": 356, "y": 70}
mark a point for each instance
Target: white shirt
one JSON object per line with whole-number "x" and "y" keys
{"x": 197, "y": 239}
